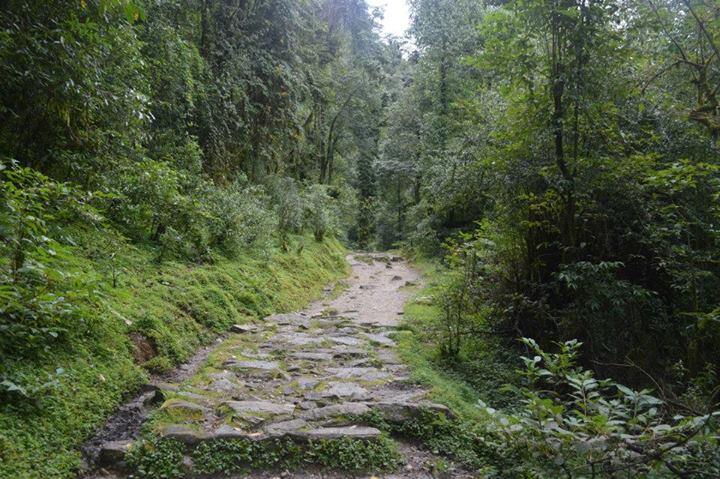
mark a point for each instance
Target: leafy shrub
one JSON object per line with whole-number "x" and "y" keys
{"x": 239, "y": 216}
{"x": 39, "y": 304}
{"x": 319, "y": 211}
{"x": 574, "y": 425}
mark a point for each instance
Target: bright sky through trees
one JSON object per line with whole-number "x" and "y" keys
{"x": 397, "y": 15}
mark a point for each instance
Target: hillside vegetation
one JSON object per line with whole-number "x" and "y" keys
{"x": 169, "y": 168}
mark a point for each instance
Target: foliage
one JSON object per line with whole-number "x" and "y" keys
{"x": 575, "y": 425}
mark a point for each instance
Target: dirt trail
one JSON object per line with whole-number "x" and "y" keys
{"x": 303, "y": 375}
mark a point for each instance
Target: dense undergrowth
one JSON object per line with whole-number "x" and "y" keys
{"x": 55, "y": 396}
{"x": 544, "y": 416}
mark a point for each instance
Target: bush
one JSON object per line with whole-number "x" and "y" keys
{"x": 39, "y": 304}
{"x": 574, "y": 425}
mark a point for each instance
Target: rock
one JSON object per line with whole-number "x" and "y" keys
{"x": 222, "y": 386}
{"x": 299, "y": 339}
{"x": 182, "y": 434}
{"x": 255, "y": 367}
{"x": 113, "y": 453}
{"x": 307, "y": 405}
{"x": 345, "y": 391}
{"x": 291, "y": 319}
{"x": 305, "y": 382}
{"x": 312, "y": 356}
{"x": 354, "y": 432}
{"x": 282, "y": 428}
{"x": 365, "y": 374}
{"x": 243, "y": 328}
{"x": 253, "y": 364}
{"x": 346, "y": 340}
{"x": 260, "y": 407}
{"x": 380, "y": 339}
{"x": 344, "y": 409}
{"x": 341, "y": 352}
{"x": 396, "y": 278}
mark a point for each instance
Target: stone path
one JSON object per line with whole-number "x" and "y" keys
{"x": 307, "y": 375}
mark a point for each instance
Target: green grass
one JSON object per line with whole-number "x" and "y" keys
{"x": 479, "y": 373}
{"x": 176, "y": 306}
{"x": 483, "y": 367}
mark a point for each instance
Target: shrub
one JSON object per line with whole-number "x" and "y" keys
{"x": 574, "y": 425}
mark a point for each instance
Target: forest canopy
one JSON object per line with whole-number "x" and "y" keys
{"x": 559, "y": 158}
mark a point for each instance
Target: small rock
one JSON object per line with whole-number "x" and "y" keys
{"x": 113, "y": 453}
{"x": 243, "y": 328}
{"x": 397, "y": 278}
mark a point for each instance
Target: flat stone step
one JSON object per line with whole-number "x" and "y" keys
{"x": 344, "y": 409}
{"x": 365, "y": 374}
{"x": 312, "y": 356}
{"x": 260, "y": 407}
{"x": 353, "y": 432}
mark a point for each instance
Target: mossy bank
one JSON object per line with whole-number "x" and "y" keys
{"x": 140, "y": 316}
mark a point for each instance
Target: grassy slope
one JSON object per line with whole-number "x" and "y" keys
{"x": 178, "y": 306}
